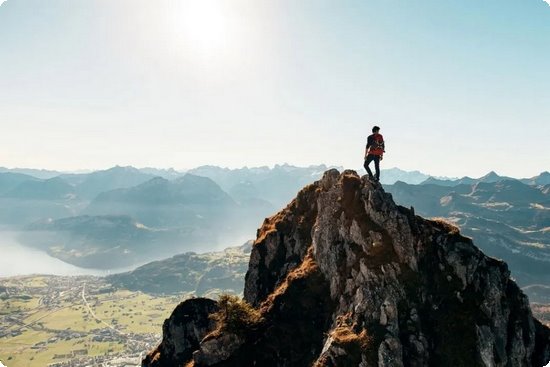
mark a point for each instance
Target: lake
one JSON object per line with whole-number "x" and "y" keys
{"x": 17, "y": 259}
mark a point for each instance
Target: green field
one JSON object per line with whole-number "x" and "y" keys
{"x": 45, "y": 320}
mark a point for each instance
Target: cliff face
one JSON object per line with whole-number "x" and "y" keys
{"x": 183, "y": 332}
{"x": 345, "y": 277}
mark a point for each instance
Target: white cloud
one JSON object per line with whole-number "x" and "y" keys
{"x": 547, "y": 2}
{"x": 2, "y": 2}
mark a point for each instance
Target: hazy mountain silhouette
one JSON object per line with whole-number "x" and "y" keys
{"x": 445, "y": 182}
{"x": 10, "y": 180}
{"x": 34, "y": 199}
{"x": 162, "y": 203}
{"x": 508, "y": 219}
{"x": 103, "y": 242}
{"x": 50, "y": 189}
{"x": 89, "y": 185}
{"x": 156, "y": 218}
{"x": 38, "y": 173}
{"x": 489, "y": 177}
{"x": 392, "y": 175}
{"x": 276, "y": 186}
{"x": 168, "y": 173}
{"x": 542, "y": 179}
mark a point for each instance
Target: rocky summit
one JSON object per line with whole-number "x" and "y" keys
{"x": 345, "y": 277}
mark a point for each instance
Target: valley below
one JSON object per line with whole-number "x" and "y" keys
{"x": 63, "y": 321}
{"x": 90, "y": 320}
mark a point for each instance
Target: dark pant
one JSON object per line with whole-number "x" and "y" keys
{"x": 376, "y": 159}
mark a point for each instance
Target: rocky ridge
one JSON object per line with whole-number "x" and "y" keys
{"x": 345, "y": 277}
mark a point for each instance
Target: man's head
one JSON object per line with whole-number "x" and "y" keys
{"x": 375, "y": 129}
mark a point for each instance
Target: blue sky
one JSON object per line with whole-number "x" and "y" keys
{"x": 458, "y": 87}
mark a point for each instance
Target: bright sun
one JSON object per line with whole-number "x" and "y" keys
{"x": 202, "y": 26}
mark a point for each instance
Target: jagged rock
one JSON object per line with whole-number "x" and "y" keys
{"x": 182, "y": 333}
{"x": 217, "y": 350}
{"x": 413, "y": 292}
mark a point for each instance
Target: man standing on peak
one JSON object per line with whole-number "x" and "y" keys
{"x": 374, "y": 152}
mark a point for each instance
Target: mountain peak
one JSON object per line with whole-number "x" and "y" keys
{"x": 157, "y": 180}
{"x": 490, "y": 177}
{"x": 118, "y": 168}
{"x": 345, "y": 277}
{"x": 492, "y": 174}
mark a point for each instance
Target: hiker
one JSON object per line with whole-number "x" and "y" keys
{"x": 374, "y": 152}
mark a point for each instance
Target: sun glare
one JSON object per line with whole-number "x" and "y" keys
{"x": 202, "y": 26}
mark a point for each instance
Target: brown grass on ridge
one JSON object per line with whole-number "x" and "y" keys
{"x": 270, "y": 225}
{"x": 344, "y": 334}
{"x": 307, "y": 267}
{"x": 445, "y": 225}
{"x": 235, "y": 316}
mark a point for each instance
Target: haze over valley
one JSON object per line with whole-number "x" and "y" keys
{"x": 122, "y": 216}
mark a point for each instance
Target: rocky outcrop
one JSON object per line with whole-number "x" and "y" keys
{"x": 183, "y": 332}
{"x": 345, "y": 277}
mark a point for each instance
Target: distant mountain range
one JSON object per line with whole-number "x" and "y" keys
{"x": 276, "y": 186}
{"x": 48, "y": 189}
{"x": 124, "y": 215}
{"x": 163, "y": 203}
{"x": 89, "y": 185}
{"x": 105, "y": 219}
{"x": 155, "y": 219}
{"x": 24, "y": 199}
{"x": 11, "y": 180}
{"x": 37, "y": 173}
{"x": 542, "y": 179}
